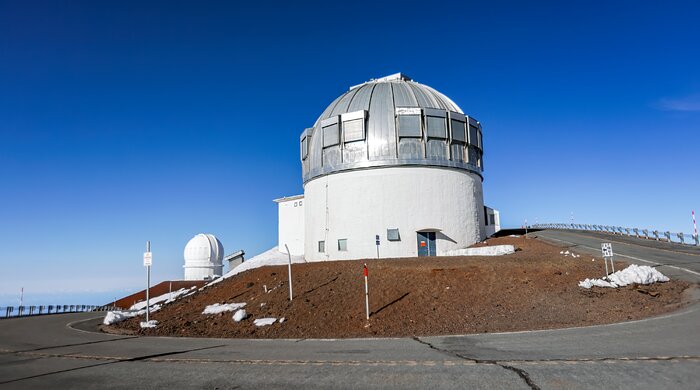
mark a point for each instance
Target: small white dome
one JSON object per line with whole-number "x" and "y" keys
{"x": 203, "y": 257}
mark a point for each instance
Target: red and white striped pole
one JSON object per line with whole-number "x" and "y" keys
{"x": 366, "y": 292}
{"x": 695, "y": 225}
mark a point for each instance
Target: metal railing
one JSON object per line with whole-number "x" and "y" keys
{"x": 678, "y": 238}
{"x": 23, "y": 311}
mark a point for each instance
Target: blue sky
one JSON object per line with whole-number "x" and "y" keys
{"x": 122, "y": 122}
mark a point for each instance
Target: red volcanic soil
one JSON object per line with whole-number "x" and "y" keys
{"x": 535, "y": 288}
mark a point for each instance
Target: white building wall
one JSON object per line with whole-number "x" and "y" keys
{"x": 291, "y": 224}
{"x": 492, "y": 228}
{"x": 357, "y": 205}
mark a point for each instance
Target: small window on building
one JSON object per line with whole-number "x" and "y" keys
{"x": 343, "y": 244}
{"x": 322, "y": 247}
{"x": 304, "y": 148}
{"x": 409, "y": 126}
{"x": 436, "y": 127}
{"x": 331, "y": 136}
{"x": 393, "y": 235}
{"x": 354, "y": 130}
{"x": 492, "y": 219}
{"x": 458, "y": 133}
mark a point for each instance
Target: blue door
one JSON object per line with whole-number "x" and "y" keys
{"x": 426, "y": 244}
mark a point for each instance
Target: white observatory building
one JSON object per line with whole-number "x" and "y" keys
{"x": 394, "y": 159}
{"x": 203, "y": 258}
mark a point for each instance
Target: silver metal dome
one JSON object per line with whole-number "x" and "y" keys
{"x": 391, "y": 121}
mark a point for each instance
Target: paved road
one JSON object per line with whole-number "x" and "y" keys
{"x": 53, "y": 352}
{"x": 666, "y": 257}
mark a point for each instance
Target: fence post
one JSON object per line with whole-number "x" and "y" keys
{"x": 697, "y": 241}
{"x": 680, "y": 237}
{"x": 668, "y": 236}
{"x": 646, "y": 233}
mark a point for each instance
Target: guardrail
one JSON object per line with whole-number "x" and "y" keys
{"x": 678, "y": 238}
{"x": 23, "y": 311}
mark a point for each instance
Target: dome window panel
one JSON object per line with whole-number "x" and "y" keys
{"x": 410, "y": 126}
{"x": 437, "y": 127}
{"x": 473, "y": 135}
{"x": 304, "y": 148}
{"x": 330, "y": 131}
{"x": 321, "y": 247}
{"x": 331, "y": 135}
{"x": 458, "y": 131}
{"x": 353, "y": 130}
{"x": 353, "y": 126}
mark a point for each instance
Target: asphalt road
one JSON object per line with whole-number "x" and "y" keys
{"x": 56, "y": 351}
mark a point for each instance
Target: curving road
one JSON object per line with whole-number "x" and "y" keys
{"x": 60, "y": 351}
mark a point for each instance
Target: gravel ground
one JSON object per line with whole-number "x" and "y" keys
{"x": 535, "y": 288}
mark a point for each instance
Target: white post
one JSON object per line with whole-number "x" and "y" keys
{"x": 170, "y": 291}
{"x": 366, "y": 292}
{"x": 290, "y": 271}
{"x": 605, "y": 260}
{"x": 148, "y": 284}
{"x": 525, "y": 227}
{"x": 612, "y": 264}
{"x": 21, "y": 296}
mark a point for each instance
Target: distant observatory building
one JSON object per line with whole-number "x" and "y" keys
{"x": 203, "y": 257}
{"x": 391, "y": 158}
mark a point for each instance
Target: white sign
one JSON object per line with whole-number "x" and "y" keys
{"x": 147, "y": 259}
{"x": 607, "y": 249}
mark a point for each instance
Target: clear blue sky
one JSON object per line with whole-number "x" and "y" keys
{"x": 122, "y": 122}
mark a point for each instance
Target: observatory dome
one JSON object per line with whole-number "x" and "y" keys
{"x": 391, "y": 121}
{"x": 391, "y": 168}
{"x": 203, "y": 257}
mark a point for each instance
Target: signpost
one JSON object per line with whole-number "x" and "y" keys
{"x": 366, "y": 292}
{"x": 376, "y": 238}
{"x": 147, "y": 262}
{"x": 606, "y": 248}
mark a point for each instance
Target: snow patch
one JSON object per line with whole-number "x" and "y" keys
{"x": 116, "y": 316}
{"x": 634, "y": 274}
{"x": 239, "y": 315}
{"x": 165, "y": 298}
{"x": 567, "y": 253}
{"x": 149, "y": 324}
{"x": 264, "y": 321}
{"x": 270, "y": 257}
{"x": 495, "y": 250}
{"x": 222, "y": 307}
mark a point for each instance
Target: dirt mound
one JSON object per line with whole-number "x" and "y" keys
{"x": 535, "y": 288}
